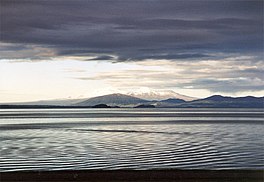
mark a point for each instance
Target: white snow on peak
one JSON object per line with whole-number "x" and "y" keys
{"x": 150, "y": 94}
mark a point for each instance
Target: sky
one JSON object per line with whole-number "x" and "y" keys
{"x": 54, "y": 49}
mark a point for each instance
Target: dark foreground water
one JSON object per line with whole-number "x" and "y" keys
{"x": 55, "y": 139}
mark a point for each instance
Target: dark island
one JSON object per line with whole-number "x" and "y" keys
{"x": 145, "y": 106}
{"x": 101, "y": 106}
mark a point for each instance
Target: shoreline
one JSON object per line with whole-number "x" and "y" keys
{"x": 135, "y": 175}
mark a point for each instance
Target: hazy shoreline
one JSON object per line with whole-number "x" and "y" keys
{"x": 115, "y": 107}
{"x": 126, "y": 101}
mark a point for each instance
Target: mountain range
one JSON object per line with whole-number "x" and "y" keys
{"x": 217, "y": 101}
{"x": 122, "y": 100}
{"x": 227, "y": 102}
{"x": 143, "y": 93}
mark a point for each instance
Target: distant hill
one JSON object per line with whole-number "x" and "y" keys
{"x": 169, "y": 103}
{"x": 113, "y": 100}
{"x": 174, "y": 101}
{"x": 218, "y": 101}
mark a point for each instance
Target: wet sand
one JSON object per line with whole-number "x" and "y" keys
{"x": 136, "y": 175}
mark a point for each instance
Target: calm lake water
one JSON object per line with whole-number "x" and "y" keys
{"x": 55, "y": 139}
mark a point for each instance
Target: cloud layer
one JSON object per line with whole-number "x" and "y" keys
{"x": 223, "y": 76}
{"x": 197, "y": 44}
{"x": 132, "y": 30}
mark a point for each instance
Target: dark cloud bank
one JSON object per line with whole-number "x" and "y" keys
{"x": 135, "y": 30}
{"x": 119, "y": 31}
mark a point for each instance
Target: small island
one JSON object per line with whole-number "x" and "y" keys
{"x": 101, "y": 106}
{"x": 145, "y": 106}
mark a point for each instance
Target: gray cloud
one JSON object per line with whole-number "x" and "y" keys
{"x": 133, "y": 30}
{"x": 216, "y": 77}
{"x": 104, "y": 57}
{"x": 226, "y": 34}
{"x": 228, "y": 86}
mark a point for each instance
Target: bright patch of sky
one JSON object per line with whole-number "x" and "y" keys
{"x": 68, "y": 78}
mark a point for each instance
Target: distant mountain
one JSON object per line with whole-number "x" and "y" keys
{"x": 218, "y": 101}
{"x": 159, "y": 95}
{"x": 174, "y": 101}
{"x": 239, "y": 99}
{"x": 169, "y": 103}
{"x": 113, "y": 100}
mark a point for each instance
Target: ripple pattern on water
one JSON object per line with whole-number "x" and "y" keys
{"x": 93, "y": 143}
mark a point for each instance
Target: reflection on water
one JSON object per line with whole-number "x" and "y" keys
{"x": 40, "y": 139}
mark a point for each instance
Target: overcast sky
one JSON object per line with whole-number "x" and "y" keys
{"x": 70, "y": 49}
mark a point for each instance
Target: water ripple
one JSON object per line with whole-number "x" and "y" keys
{"x": 137, "y": 142}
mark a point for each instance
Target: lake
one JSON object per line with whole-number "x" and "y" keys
{"x": 75, "y": 139}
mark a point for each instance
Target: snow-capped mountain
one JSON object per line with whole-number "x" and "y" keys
{"x": 149, "y": 94}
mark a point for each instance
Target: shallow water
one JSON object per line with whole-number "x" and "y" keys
{"x": 55, "y": 139}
